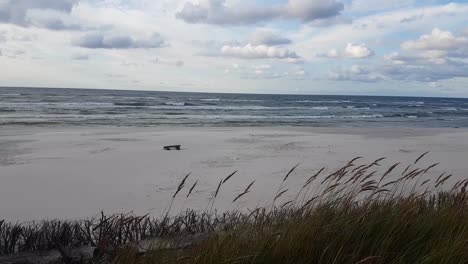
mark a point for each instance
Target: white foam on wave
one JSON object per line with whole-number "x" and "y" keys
{"x": 210, "y": 99}
{"x": 357, "y": 108}
{"x": 10, "y": 94}
{"x": 449, "y": 109}
{"x": 175, "y": 103}
{"x": 320, "y": 108}
{"x": 323, "y": 101}
{"x": 247, "y": 100}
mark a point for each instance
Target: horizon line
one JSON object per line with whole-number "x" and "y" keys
{"x": 233, "y": 93}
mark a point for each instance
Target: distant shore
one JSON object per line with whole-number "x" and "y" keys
{"x": 73, "y": 173}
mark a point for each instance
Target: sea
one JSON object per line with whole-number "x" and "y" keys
{"x": 89, "y": 107}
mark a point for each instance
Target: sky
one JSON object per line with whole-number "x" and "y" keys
{"x": 355, "y": 47}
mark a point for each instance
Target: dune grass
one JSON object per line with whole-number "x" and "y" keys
{"x": 356, "y": 215}
{"x": 360, "y": 213}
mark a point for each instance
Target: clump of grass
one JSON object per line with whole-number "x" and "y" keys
{"x": 355, "y": 215}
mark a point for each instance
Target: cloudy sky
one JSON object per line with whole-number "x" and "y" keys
{"x": 378, "y": 47}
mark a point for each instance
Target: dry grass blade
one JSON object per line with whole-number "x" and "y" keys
{"x": 290, "y": 171}
{"x": 389, "y": 171}
{"x": 353, "y": 160}
{"x": 309, "y": 202}
{"x": 424, "y": 182}
{"x": 430, "y": 167}
{"x": 246, "y": 191}
{"x": 376, "y": 162}
{"x": 338, "y": 172}
{"x": 457, "y": 184}
{"x": 463, "y": 189}
{"x": 441, "y": 182}
{"x": 358, "y": 168}
{"x": 313, "y": 177}
{"x": 440, "y": 177}
{"x": 229, "y": 177}
{"x": 420, "y": 157}
{"x": 280, "y": 194}
{"x": 217, "y": 189}
{"x": 286, "y": 204}
{"x": 181, "y": 185}
{"x": 390, "y": 183}
{"x": 368, "y": 176}
{"x": 192, "y": 188}
{"x": 406, "y": 169}
{"x": 331, "y": 188}
{"x": 380, "y": 191}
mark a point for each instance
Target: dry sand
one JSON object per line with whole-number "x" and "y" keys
{"x": 77, "y": 172}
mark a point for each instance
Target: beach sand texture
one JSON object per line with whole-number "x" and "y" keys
{"x": 72, "y": 173}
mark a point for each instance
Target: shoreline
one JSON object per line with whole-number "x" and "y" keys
{"x": 122, "y": 169}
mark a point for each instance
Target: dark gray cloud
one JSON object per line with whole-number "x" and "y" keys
{"x": 268, "y": 38}
{"x": 217, "y": 12}
{"x": 106, "y": 40}
{"x": 16, "y": 11}
{"x": 58, "y": 24}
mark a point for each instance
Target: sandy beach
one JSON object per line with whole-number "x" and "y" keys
{"x": 74, "y": 173}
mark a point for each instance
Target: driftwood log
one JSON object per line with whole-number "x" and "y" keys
{"x": 171, "y": 147}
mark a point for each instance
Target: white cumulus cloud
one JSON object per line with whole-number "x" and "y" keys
{"x": 250, "y": 51}
{"x": 358, "y": 51}
{"x": 437, "y": 40}
{"x": 352, "y": 51}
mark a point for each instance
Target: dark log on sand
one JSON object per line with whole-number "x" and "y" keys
{"x": 171, "y": 147}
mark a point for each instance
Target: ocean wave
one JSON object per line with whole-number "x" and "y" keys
{"x": 454, "y": 109}
{"x": 231, "y": 108}
{"x": 177, "y": 104}
{"x": 5, "y": 110}
{"x": 10, "y": 94}
{"x": 210, "y": 99}
{"x": 323, "y": 101}
{"x": 320, "y": 108}
{"x": 258, "y": 117}
{"x": 246, "y": 100}
{"x": 357, "y": 107}
{"x": 364, "y": 116}
{"x": 130, "y": 104}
